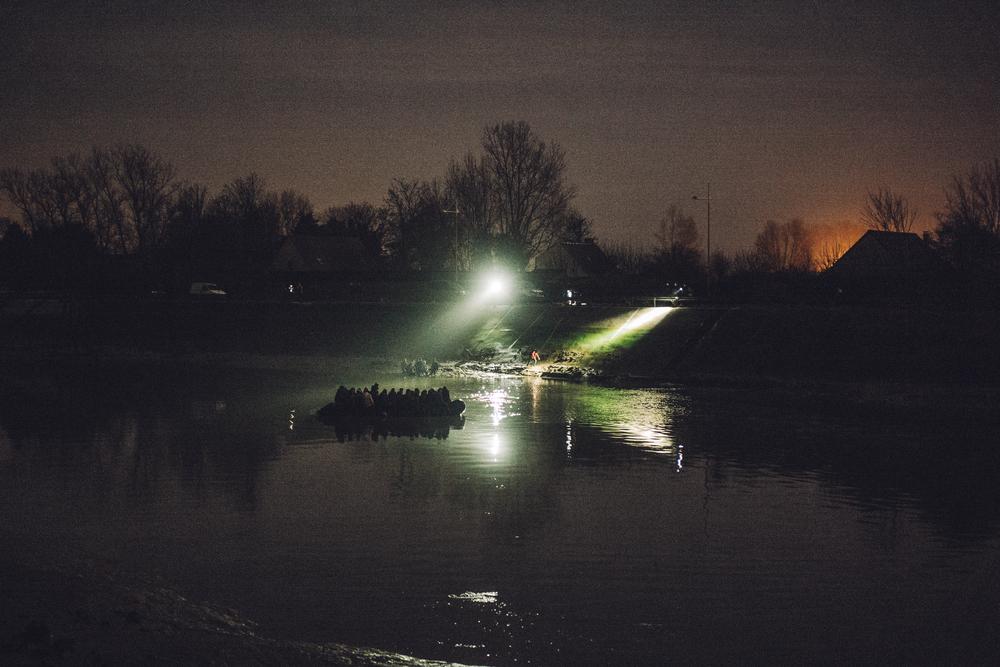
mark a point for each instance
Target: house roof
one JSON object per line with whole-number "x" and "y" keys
{"x": 576, "y": 258}
{"x": 879, "y": 253}
{"x": 313, "y": 253}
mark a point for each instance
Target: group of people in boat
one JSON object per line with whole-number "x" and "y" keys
{"x": 373, "y": 402}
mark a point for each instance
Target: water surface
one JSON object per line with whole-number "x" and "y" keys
{"x": 563, "y": 523}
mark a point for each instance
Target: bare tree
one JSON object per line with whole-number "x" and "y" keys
{"x": 974, "y": 199}
{"x": 187, "y": 213}
{"x": 469, "y": 185}
{"x": 242, "y": 197}
{"x": 417, "y": 227}
{"x": 46, "y": 199}
{"x": 576, "y": 227}
{"x": 294, "y": 209}
{"x": 247, "y": 215}
{"x": 677, "y": 231}
{"x": 147, "y": 184}
{"x": 748, "y": 261}
{"x": 469, "y": 191}
{"x": 627, "y": 257}
{"x": 78, "y": 196}
{"x": 17, "y": 186}
{"x": 784, "y": 246}
{"x": 677, "y": 255}
{"x": 968, "y": 230}
{"x": 361, "y": 220}
{"x": 111, "y": 230}
{"x": 827, "y": 252}
{"x": 190, "y": 202}
{"x": 530, "y": 198}
{"x": 887, "y": 212}
{"x": 402, "y": 202}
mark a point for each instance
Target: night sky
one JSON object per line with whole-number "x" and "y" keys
{"x": 788, "y": 109}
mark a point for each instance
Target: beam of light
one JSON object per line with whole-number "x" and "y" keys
{"x": 621, "y": 332}
{"x": 487, "y": 299}
{"x": 643, "y": 319}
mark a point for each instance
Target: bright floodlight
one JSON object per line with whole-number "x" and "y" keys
{"x": 496, "y": 285}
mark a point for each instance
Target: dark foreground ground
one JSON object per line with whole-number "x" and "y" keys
{"x": 59, "y": 608}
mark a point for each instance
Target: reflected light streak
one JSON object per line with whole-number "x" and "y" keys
{"x": 648, "y": 438}
{"x": 498, "y": 400}
{"x": 536, "y": 396}
{"x": 477, "y": 597}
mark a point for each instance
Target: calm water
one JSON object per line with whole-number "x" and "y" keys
{"x": 563, "y": 524}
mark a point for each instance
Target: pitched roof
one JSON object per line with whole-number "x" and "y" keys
{"x": 579, "y": 259}
{"x": 879, "y": 253}
{"x": 313, "y": 253}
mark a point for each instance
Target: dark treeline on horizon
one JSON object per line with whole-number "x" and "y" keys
{"x": 503, "y": 206}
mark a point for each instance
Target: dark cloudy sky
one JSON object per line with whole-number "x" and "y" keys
{"x": 788, "y": 109}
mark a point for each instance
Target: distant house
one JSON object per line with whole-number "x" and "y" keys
{"x": 574, "y": 260}
{"x": 316, "y": 255}
{"x": 886, "y": 255}
{"x": 888, "y": 264}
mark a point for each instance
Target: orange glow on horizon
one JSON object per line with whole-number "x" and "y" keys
{"x": 830, "y": 240}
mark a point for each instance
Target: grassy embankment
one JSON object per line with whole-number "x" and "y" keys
{"x": 738, "y": 342}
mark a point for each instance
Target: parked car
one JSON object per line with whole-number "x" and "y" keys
{"x": 676, "y": 294}
{"x": 575, "y": 297}
{"x": 206, "y": 289}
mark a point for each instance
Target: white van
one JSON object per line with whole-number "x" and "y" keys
{"x": 206, "y": 289}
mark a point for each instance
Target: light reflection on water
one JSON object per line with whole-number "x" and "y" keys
{"x": 563, "y": 524}
{"x": 501, "y": 401}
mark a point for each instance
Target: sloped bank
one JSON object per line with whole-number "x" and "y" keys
{"x": 838, "y": 344}
{"x": 753, "y": 342}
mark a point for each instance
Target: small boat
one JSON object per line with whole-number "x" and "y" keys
{"x": 331, "y": 412}
{"x": 373, "y": 426}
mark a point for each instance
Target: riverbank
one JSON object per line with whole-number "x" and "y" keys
{"x": 610, "y": 344}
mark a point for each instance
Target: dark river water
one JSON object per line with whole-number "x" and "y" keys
{"x": 562, "y": 524}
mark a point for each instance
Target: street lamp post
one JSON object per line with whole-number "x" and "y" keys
{"x": 708, "y": 236}
{"x": 456, "y": 211}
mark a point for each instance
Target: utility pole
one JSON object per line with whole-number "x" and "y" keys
{"x": 456, "y": 211}
{"x": 708, "y": 236}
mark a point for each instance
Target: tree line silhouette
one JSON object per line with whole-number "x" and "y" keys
{"x": 966, "y": 237}
{"x": 85, "y": 214}
{"x": 128, "y": 205}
